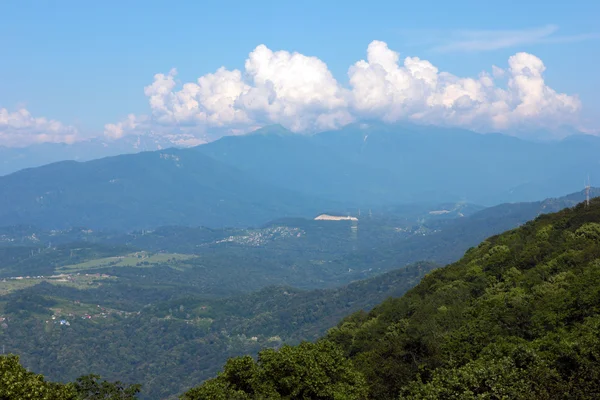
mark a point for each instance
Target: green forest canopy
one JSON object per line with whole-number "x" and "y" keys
{"x": 18, "y": 383}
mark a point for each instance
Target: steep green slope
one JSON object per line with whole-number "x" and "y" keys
{"x": 518, "y": 317}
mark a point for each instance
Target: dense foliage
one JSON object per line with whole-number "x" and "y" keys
{"x": 517, "y": 317}
{"x": 92, "y": 387}
{"x": 307, "y": 371}
{"x": 171, "y": 346}
{"x": 17, "y": 383}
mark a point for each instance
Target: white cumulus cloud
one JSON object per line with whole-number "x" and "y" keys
{"x": 416, "y": 90}
{"x": 300, "y": 92}
{"x": 20, "y": 128}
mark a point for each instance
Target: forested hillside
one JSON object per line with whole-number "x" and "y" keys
{"x": 171, "y": 346}
{"x": 518, "y": 317}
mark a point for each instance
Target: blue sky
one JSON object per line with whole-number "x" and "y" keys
{"x": 86, "y": 64}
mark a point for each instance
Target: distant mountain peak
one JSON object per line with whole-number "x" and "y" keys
{"x": 273, "y": 130}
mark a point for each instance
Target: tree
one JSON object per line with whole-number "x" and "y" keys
{"x": 89, "y": 387}
{"x": 18, "y": 383}
{"x": 307, "y": 371}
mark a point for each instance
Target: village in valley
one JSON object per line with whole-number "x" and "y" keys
{"x": 64, "y": 312}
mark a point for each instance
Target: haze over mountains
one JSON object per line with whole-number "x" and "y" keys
{"x": 13, "y": 159}
{"x": 272, "y": 173}
{"x": 380, "y": 163}
{"x": 144, "y": 190}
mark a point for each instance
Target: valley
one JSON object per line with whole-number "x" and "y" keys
{"x": 168, "y": 290}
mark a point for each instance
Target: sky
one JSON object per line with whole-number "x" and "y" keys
{"x": 70, "y": 70}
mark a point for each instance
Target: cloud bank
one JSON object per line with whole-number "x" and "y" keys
{"x": 300, "y": 93}
{"x": 20, "y": 128}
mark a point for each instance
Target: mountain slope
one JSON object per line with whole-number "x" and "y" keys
{"x": 376, "y": 163}
{"x": 500, "y": 306}
{"x": 144, "y": 190}
{"x": 518, "y": 317}
{"x": 300, "y": 163}
{"x": 443, "y": 241}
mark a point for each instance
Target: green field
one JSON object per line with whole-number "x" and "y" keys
{"x": 68, "y": 308}
{"x": 140, "y": 259}
{"x": 77, "y": 281}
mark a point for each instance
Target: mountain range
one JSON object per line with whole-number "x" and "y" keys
{"x": 378, "y": 163}
{"x": 271, "y": 173}
{"x": 144, "y": 190}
